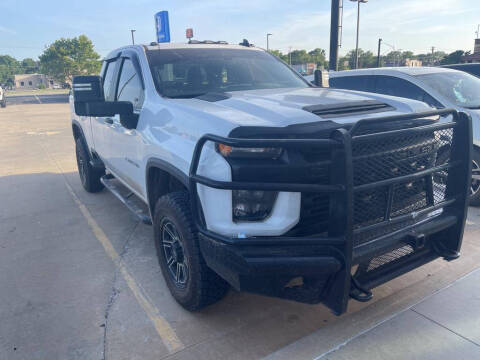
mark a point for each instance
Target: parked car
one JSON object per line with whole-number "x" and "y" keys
{"x": 3, "y": 99}
{"x": 438, "y": 87}
{"x": 255, "y": 178}
{"x": 473, "y": 69}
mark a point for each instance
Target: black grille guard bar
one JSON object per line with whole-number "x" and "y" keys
{"x": 341, "y": 189}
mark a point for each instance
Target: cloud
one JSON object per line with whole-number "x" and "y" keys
{"x": 7, "y": 30}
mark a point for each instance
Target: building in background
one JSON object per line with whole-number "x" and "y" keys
{"x": 35, "y": 81}
{"x": 475, "y": 57}
{"x": 406, "y": 62}
{"x": 412, "y": 62}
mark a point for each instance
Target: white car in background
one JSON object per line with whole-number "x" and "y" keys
{"x": 438, "y": 87}
{"x": 3, "y": 100}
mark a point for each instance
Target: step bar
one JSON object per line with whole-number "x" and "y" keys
{"x": 125, "y": 199}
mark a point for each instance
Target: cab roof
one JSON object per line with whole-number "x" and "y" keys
{"x": 198, "y": 45}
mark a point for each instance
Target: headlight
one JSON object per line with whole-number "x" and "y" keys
{"x": 254, "y": 153}
{"x": 252, "y": 205}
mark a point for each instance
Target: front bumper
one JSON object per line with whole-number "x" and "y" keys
{"x": 350, "y": 258}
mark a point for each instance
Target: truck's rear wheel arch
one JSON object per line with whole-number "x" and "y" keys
{"x": 163, "y": 178}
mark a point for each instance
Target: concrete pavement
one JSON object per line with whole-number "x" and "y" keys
{"x": 79, "y": 277}
{"x": 444, "y": 326}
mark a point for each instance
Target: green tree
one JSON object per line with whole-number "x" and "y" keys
{"x": 29, "y": 66}
{"x": 366, "y": 59}
{"x": 66, "y": 58}
{"x": 300, "y": 57}
{"x": 318, "y": 56}
{"x": 454, "y": 57}
{"x": 280, "y": 55}
{"x": 9, "y": 66}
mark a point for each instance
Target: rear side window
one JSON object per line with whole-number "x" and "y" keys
{"x": 129, "y": 85}
{"x": 389, "y": 85}
{"x": 108, "y": 81}
{"x": 358, "y": 83}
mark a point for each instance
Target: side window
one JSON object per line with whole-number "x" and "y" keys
{"x": 108, "y": 81}
{"x": 389, "y": 85}
{"x": 358, "y": 83}
{"x": 129, "y": 85}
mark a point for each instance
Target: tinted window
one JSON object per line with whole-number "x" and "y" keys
{"x": 359, "y": 83}
{"x": 389, "y": 85}
{"x": 459, "y": 87}
{"x": 129, "y": 85}
{"x": 471, "y": 69}
{"x": 184, "y": 73}
{"x": 108, "y": 81}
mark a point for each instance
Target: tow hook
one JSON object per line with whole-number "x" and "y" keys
{"x": 358, "y": 292}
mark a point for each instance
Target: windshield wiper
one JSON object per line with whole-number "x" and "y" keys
{"x": 473, "y": 107}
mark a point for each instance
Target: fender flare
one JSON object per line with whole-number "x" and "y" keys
{"x": 169, "y": 169}
{"x": 76, "y": 124}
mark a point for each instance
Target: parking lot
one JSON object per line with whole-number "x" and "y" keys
{"x": 79, "y": 276}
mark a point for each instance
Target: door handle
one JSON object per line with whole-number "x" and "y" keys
{"x": 108, "y": 121}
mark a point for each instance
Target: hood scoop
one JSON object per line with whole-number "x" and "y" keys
{"x": 348, "y": 108}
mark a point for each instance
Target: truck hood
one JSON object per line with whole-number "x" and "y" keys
{"x": 283, "y": 107}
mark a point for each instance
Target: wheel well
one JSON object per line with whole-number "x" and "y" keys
{"x": 159, "y": 183}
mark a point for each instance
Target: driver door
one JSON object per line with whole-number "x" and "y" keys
{"x": 125, "y": 147}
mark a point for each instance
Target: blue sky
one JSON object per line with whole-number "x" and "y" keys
{"x": 27, "y": 26}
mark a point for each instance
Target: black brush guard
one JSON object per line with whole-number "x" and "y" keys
{"x": 356, "y": 254}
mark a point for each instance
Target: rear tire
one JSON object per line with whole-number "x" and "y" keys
{"x": 195, "y": 285}
{"x": 89, "y": 176}
{"x": 4, "y": 103}
{"x": 475, "y": 186}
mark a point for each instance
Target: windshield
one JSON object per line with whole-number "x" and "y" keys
{"x": 460, "y": 88}
{"x": 187, "y": 73}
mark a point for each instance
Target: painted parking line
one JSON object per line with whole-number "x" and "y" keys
{"x": 163, "y": 328}
{"x": 167, "y": 334}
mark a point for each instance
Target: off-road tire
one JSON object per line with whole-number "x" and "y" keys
{"x": 203, "y": 286}
{"x": 475, "y": 198}
{"x": 89, "y": 176}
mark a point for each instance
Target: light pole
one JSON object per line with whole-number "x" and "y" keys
{"x": 133, "y": 38}
{"x": 268, "y": 45}
{"x": 289, "y": 55}
{"x": 358, "y": 29}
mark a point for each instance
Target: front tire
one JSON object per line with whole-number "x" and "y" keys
{"x": 191, "y": 282}
{"x": 89, "y": 176}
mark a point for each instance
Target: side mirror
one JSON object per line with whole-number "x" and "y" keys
{"x": 89, "y": 100}
{"x": 321, "y": 78}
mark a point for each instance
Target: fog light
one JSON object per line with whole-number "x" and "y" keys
{"x": 250, "y": 205}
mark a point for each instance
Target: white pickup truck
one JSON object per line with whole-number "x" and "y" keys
{"x": 255, "y": 178}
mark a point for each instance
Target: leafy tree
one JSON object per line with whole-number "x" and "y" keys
{"x": 318, "y": 56}
{"x": 454, "y": 57}
{"x": 66, "y": 58}
{"x": 366, "y": 59}
{"x": 9, "y": 66}
{"x": 29, "y": 66}
{"x": 279, "y": 54}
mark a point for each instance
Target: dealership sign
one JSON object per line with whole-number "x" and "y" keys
{"x": 162, "y": 26}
